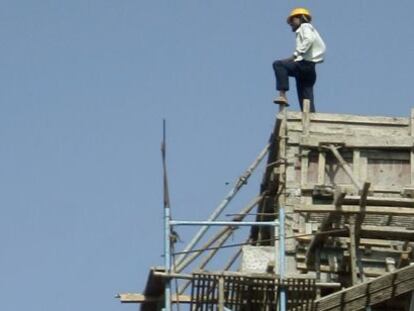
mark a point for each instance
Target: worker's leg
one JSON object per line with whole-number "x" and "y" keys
{"x": 305, "y": 81}
{"x": 284, "y": 70}
{"x": 305, "y": 92}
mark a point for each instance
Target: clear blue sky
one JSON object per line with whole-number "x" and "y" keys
{"x": 84, "y": 87}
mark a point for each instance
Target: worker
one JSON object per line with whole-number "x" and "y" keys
{"x": 310, "y": 50}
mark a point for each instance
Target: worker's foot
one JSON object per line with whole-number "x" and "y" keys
{"x": 280, "y": 100}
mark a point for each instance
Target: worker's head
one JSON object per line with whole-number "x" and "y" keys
{"x": 297, "y": 17}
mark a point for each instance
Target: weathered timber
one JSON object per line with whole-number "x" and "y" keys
{"x": 355, "y": 209}
{"x": 344, "y": 165}
{"x": 141, "y": 298}
{"x": 379, "y": 201}
{"x": 359, "y": 218}
{"x": 367, "y": 231}
{"x": 350, "y": 119}
{"x": 326, "y": 224}
{"x": 378, "y": 142}
{"x": 369, "y": 272}
{"x": 337, "y": 240}
{"x": 225, "y": 232}
{"x": 387, "y": 233}
{"x": 364, "y": 295}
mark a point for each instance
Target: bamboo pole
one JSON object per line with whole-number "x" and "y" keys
{"x": 242, "y": 180}
{"x": 189, "y": 259}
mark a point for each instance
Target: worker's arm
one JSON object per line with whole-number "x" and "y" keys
{"x": 304, "y": 39}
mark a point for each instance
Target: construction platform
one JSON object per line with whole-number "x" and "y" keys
{"x": 346, "y": 184}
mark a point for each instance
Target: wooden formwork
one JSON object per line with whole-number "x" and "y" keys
{"x": 347, "y": 185}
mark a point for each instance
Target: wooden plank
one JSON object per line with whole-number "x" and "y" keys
{"x": 304, "y": 163}
{"x": 361, "y": 215}
{"x": 380, "y": 201}
{"x": 296, "y": 129}
{"x": 305, "y": 117}
{"x": 349, "y": 187}
{"x": 221, "y": 294}
{"x": 355, "y": 209}
{"x": 412, "y": 166}
{"x": 141, "y": 298}
{"x": 387, "y": 233}
{"x": 363, "y": 175}
{"x": 350, "y": 119}
{"x": 353, "y": 260}
{"x": 369, "y": 293}
{"x": 368, "y": 232}
{"x": 356, "y": 162}
{"x": 321, "y": 167}
{"x": 326, "y": 224}
{"x": 368, "y": 271}
{"x": 389, "y": 244}
{"x": 361, "y": 141}
{"x": 281, "y": 198}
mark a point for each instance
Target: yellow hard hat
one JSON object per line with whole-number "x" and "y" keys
{"x": 299, "y": 11}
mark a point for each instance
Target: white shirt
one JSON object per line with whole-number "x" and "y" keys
{"x": 309, "y": 44}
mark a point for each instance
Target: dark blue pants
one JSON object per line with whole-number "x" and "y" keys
{"x": 305, "y": 75}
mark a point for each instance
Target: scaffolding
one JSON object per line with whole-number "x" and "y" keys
{"x": 334, "y": 225}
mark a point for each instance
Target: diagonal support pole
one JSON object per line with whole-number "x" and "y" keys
{"x": 216, "y": 213}
{"x": 189, "y": 259}
{"x": 345, "y": 166}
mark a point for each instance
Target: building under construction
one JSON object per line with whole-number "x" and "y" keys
{"x": 333, "y": 227}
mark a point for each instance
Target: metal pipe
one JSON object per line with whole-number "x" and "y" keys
{"x": 216, "y": 213}
{"x": 191, "y": 257}
{"x": 196, "y": 253}
{"x": 167, "y": 258}
{"x": 221, "y": 223}
{"x": 282, "y": 257}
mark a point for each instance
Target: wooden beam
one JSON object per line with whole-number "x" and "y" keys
{"x": 387, "y": 233}
{"x": 356, "y": 164}
{"x": 141, "y": 298}
{"x": 367, "y": 294}
{"x": 306, "y": 117}
{"x": 361, "y": 215}
{"x": 350, "y": 119}
{"x": 388, "y": 201}
{"x": 368, "y": 232}
{"x": 304, "y": 163}
{"x": 359, "y": 219}
{"x": 369, "y": 242}
{"x": 355, "y": 209}
{"x": 321, "y": 167}
{"x": 350, "y": 187}
{"x": 221, "y": 299}
{"x": 351, "y": 141}
{"x": 353, "y": 258}
{"x": 369, "y": 272}
{"x": 224, "y": 232}
{"x": 326, "y": 224}
{"x": 344, "y": 165}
